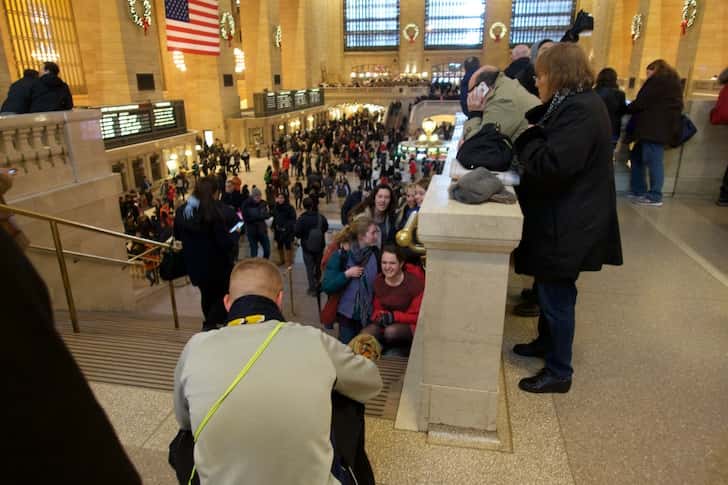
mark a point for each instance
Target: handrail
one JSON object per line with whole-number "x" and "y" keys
{"x": 80, "y": 225}
{"x": 92, "y": 257}
{"x": 61, "y": 254}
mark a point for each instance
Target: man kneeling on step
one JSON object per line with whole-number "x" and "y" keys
{"x": 275, "y": 425}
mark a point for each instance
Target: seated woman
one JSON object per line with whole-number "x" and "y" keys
{"x": 380, "y": 206}
{"x": 351, "y": 272}
{"x": 398, "y": 294}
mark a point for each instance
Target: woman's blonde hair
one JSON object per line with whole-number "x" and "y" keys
{"x": 356, "y": 228}
{"x": 566, "y": 66}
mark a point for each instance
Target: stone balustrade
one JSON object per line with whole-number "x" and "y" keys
{"x": 33, "y": 142}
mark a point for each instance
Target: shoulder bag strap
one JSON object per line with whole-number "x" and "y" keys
{"x": 233, "y": 384}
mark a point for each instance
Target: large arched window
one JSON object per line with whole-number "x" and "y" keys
{"x": 371, "y": 24}
{"x": 45, "y": 31}
{"x": 454, "y": 24}
{"x": 533, "y": 20}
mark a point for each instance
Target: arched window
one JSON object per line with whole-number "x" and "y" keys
{"x": 534, "y": 20}
{"x": 45, "y": 31}
{"x": 371, "y": 24}
{"x": 454, "y": 24}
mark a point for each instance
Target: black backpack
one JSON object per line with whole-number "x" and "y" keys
{"x": 315, "y": 241}
{"x": 488, "y": 148}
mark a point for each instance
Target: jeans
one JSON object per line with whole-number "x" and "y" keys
{"x": 312, "y": 261}
{"x": 649, "y": 155}
{"x": 254, "y": 239}
{"x": 557, "y": 300}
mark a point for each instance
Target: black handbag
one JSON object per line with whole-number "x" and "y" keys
{"x": 687, "y": 130}
{"x": 488, "y": 148}
{"x": 182, "y": 456}
{"x": 173, "y": 265}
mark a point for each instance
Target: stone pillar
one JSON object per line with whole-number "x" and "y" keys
{"x": 635, "y": 62}
{"x": 451, "y": 388}
{"x": 497, "y": 53}
{"x": 687, "y": 50}
{"x": 604, "y": 14}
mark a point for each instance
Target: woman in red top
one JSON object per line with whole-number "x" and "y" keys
{"x": 397, "y": 299}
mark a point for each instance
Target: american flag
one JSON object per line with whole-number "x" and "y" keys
{"x": 193, "y": 26}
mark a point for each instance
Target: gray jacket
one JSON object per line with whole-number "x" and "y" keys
{"x": 506, "y": 105}
{"x": 275, "y": 425}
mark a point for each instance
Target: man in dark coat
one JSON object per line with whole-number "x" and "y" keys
{"x": 470, "y": 65}
{"x": 570, "y": 221}
{"x": 352, "y": 200}
{"x": 255, "y": 212}
{"x": 18, "y": 100}
{"x": 49, "y": 92}
{"x": 313, "y": 250}
{"x": 521, "y": 57}
{"x": 55, "y": 431}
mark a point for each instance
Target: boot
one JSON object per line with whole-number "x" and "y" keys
{"x": 289, "y": 257}
{"x": 281, "y": 256}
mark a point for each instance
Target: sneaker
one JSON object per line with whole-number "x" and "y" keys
{"x": 632, "y": 196}
{"x": 648, "y": 201}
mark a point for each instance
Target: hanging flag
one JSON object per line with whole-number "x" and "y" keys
{"x": 193, "y": 26}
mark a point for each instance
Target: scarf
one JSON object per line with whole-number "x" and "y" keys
{"x": 559, "y": 97}
{"x": 192, "y": 204}
{"x": 362, "y": 300}
{"x": 254, "y": 309}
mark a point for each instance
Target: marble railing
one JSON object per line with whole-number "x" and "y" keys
{"x": 52, "y": 150}
{"x": 30, "y": 142}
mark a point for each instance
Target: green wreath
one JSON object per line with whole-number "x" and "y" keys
{"x": 143, "y": 21}
{"x": 227, "y": 26}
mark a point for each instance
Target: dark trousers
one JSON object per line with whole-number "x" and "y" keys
{"x": 312, "y": 261}
{"x": 212, "y": 306}
{"x": 253, "y": 239}
{"x": 724, "y": 187}
{"x": 557, "y": 300}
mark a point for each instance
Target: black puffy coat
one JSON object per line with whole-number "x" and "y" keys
{"x": 254, "y": 215}
{"x": 207, "y": 246}
{"x": 656, "y": 111}
{"x": 284, "y": 222}
{"x": 18, "y": 100}
{"x": 614, "y": 100}
{"x": 567, "y": 191}
{"x": 50, "y": 93}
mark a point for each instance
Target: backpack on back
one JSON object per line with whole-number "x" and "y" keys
{"x": 315, "y": 241}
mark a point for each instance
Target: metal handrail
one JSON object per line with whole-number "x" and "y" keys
{"x": 92, "y": 257}
{"x": 61, "y": 254}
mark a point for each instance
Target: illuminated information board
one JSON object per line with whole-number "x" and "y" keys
{"x": 268, "y": 104}
{"x": 133, "y": 123}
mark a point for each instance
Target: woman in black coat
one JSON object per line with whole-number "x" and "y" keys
{"x": 655, "y": 123}
{"x": 284, "y": 223}
{"x": 569, "y": 205}
{"x": 207, "y": 244}
{"x": 614, "y": 99}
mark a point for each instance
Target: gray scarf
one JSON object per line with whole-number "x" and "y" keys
{"x": 559, "y": 97}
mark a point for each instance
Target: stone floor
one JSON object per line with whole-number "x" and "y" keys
{"x": 648, "y": 404}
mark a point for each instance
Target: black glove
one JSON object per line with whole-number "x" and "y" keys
{"x": 385, "y": 319}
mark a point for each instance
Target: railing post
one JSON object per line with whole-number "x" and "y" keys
{"x": 64, "y": 276}
{"x": 174, "y": 304}
{"x": 290, "y": 288}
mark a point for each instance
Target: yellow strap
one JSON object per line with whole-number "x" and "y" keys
{"x": 232, "y": 385}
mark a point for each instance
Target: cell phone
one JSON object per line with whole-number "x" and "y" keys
{"x": 483, "y": 88}
{"x": 237, "y": 227}
{"x": 12, "y": 171}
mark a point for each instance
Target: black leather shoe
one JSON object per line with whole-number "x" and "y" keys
{"x": 527, "y": 309}
{"x": 545, "y": 382}
{"x": 529, "y": 295}
{"x": 531, "y": 349}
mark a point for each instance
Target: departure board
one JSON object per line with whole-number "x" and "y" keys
{"x": 267, "y": 104}
{"x": 121, "y": 125}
